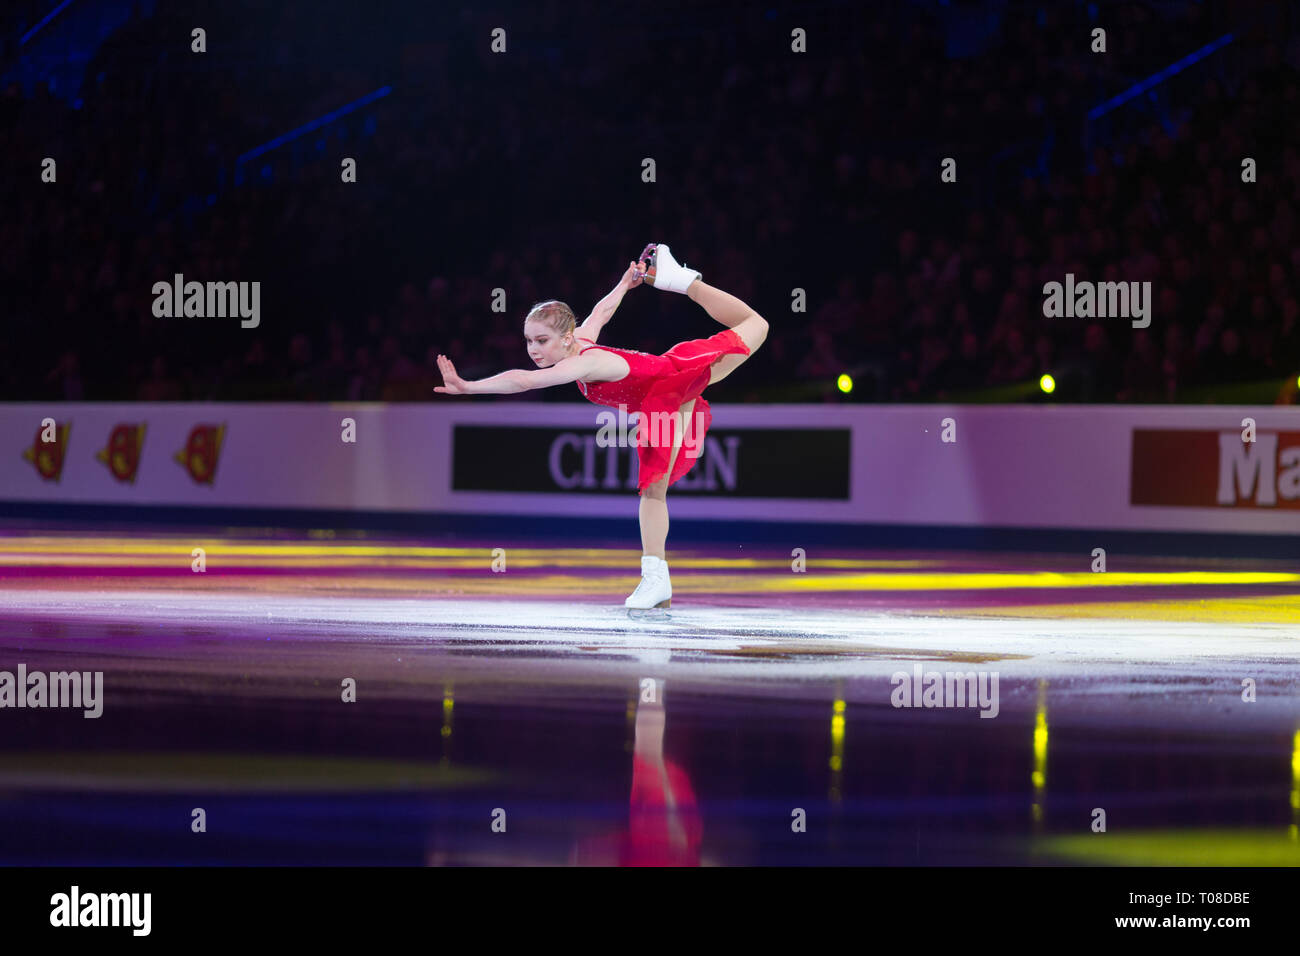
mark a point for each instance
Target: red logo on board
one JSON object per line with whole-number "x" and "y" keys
{"x": 122, "y": 454}
{"x": 49, "y": 449}
{"x": 201, "y": 451}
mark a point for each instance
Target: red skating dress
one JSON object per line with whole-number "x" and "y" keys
{"x": 663, "y": 383}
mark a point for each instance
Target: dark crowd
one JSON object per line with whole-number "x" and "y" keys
{"x": 775, "y": 171}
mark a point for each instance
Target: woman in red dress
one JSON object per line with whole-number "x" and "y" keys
{"x": 666, "y": 389}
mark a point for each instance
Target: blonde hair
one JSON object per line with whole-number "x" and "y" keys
{"x": 555, "y": 315}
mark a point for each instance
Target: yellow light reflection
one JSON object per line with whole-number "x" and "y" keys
{"x": 1293, "y": 831}
{"x": 838, "y": 707}
{"x": 1255, "y": 847}
{"x": 448, "y": 702}
{"x": 1039, "y": 777}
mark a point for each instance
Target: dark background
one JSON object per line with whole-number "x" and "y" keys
{"x": 775, "y": 170}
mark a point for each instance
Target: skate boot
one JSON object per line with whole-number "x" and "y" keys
{"x": 655, "y": 590}
{"x": 666, "y": 273}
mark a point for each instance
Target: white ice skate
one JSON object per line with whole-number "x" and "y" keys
{"x": 669, "y": 274}
{"x": 655, "y": 589}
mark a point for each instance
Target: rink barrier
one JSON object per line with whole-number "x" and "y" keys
{"x": 1151, "y": 469}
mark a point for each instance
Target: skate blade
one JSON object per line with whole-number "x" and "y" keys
{"x": 657, "y": 613}
{"x": 648, "y": 254}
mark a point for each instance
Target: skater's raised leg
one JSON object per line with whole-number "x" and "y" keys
{"x": 722, "y": 306}
{"x": 734, "y": 314}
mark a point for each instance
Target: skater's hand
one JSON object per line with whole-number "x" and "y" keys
{"x": 630, "y": 278}
{"x": 452, "y": 384}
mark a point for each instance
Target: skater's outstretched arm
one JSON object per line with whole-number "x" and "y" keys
{"x": 604, "y": 310}
{"x": 516, "y": 379}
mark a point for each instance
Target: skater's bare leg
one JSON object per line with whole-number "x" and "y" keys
{"x": 734, "y": 314}
{"x": 654, "y": 522}
{"x": 723, "y": 306}
{"x": 654, "y": 501}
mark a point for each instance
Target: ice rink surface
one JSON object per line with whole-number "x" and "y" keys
{"x": 352, "y": 698}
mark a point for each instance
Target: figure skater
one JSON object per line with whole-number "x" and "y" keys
{"x": 666, "y": 389}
